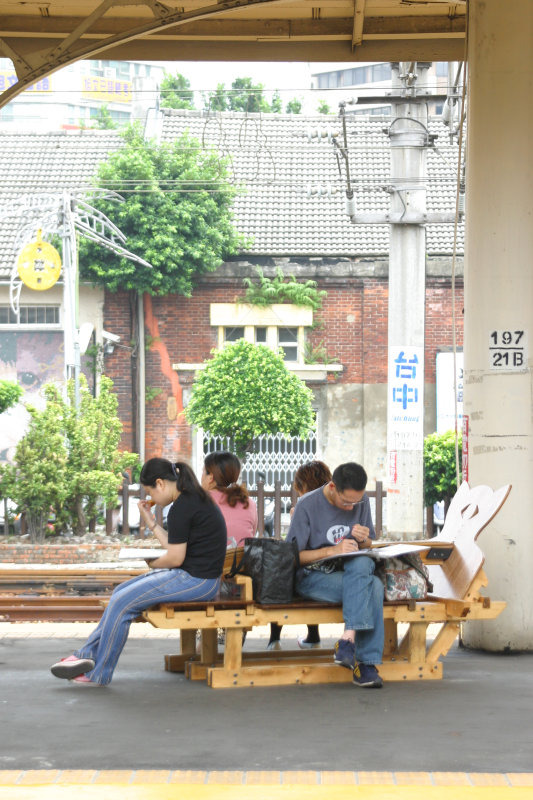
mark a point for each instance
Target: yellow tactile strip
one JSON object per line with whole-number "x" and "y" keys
{"x": 263, "y": 778}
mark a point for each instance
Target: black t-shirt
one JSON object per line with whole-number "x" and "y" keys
{"x": 201, "y": 525}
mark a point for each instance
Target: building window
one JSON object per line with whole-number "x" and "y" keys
{"x": 97, "y": 68}
{"x": 381, "y": 72}
{"x": 30, "y": 315}
{"x": 233, "y": 334}
{"x": 288, "y": 341}
{"x": 277, "y": 326}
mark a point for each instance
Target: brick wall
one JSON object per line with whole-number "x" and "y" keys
{"x": 58, "y": 553}
{"x": 353, "y": 329}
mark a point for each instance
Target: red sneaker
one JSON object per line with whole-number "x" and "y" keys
{"x": 84, "y": 679}
{"x": 71, "y": 666}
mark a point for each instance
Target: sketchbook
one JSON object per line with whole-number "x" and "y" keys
{"x": 382, "y": 551}
{"x": 135, "y": 553}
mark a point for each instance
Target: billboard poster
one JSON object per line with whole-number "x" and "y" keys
{"x": 445, "y": 392}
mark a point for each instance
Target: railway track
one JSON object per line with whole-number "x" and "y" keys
{"x": 55, "y": 595}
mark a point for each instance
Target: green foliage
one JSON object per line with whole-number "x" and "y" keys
{"x": 10, "y": 394}
{"x": 245, "y": 391}
{"x": 294, "y": 106}
{"x": 176, "y": 92}
{"x": 103, "y": 119}
{"x": 243, "y": 96}
{"x": 218, "y": 101}
{"x": 68, "y": 461}
{"x": 316, "y": 354}
{"x": 281, "y": 289}
{"x": 176, "y": 215}
{"x": 151, "y": 392}
{"x": 440, "y": 480}
{"x": 36, "y": 481}
{"x": 323, "y": 107}
{"x": 276, "y": 106}
{"x": 247, "y": 96}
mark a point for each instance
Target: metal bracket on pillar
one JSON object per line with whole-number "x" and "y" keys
{"x": 405, "y": 218}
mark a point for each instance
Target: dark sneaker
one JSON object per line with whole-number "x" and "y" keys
{"x": 71, "y": 667}
{"x": 344, "y": 653}
{"x": 366, "y": 675}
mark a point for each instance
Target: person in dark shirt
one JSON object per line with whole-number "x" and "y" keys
{"x": 189, "y": 568}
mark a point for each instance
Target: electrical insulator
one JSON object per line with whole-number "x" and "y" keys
{"x": 350, "y": 206}
{"x": 461, "y": 202}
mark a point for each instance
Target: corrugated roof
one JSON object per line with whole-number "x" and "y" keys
{"x": 271, "y": 156}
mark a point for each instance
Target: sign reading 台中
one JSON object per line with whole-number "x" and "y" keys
{"x": 508, "y": 350}
{"x": 405, "y": 398}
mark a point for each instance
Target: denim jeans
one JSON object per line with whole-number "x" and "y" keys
{"x": 107, "y": 641}
{"x": 361, "y": 594}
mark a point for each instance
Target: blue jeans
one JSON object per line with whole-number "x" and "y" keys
{"x": 361, "y": 594}
{"x": 107, "y": 641}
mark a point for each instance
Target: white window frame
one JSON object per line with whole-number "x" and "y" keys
{"x": 242, "y": 315}
{"x": 32, "y": 326}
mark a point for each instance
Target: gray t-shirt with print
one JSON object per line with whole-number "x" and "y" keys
{"x": 317, "y": 523}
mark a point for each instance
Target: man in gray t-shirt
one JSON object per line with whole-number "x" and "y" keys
{"x": 329, "y": 525}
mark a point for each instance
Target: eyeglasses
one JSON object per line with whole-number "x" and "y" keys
{"x": 349, "y": 503}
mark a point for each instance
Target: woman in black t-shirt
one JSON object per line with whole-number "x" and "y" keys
{"x": 189, "y": 568}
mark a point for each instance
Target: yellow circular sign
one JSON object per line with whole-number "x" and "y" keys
{"x": 39, "y": 265}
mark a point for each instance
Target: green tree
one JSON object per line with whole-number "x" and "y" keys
{"x": 176, "y": 215}
{"x": 440, "y": 481}
{"x": 103, "y": 119}
{"x": 68, "y": 461}
{"x": 242, "y": 96}
{"x": 175, "y": 92}
{"x": 95, "y": 464}
{"x": 294, "y": 106}
{"x": 247, "y": 96}
{"x": 246, "y": 391}
{"x": 217, "y": 101}
{"x": 323, "y": 107}
{"x": 36, "y": 480}
{"x": 276, "y": 105}
{"x": 10, "y": 394}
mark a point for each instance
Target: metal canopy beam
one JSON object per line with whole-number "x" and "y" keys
{"x": 42, "y": 38}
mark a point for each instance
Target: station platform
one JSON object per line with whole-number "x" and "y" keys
{"x": 157, "y": 736}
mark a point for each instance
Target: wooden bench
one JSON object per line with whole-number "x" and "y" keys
{"x": 455, "y": 563}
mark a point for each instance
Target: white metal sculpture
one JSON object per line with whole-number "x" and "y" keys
{"x": 64, "y": 215}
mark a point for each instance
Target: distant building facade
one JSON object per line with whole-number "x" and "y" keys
{"x": 73, "y": 97}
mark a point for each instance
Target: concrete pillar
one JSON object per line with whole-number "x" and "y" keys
{"x": 407, "y": 282}
{"x": 499, "y": 304}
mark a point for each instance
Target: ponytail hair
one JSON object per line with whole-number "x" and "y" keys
{"x": 225, "y": 468}
{"x": 179, "y": 472}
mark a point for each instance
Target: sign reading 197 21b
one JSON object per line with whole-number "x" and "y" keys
{"x": 508, "y": 351}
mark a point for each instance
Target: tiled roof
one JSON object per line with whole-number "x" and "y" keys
{"x": 275, "y": 162}
{"x": 45, "y": 162}
{"x": 273, "y": 157}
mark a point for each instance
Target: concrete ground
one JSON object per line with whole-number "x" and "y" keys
{"x": 476, "y": 721}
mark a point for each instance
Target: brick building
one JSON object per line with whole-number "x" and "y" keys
{"x": 342, "y": 351}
